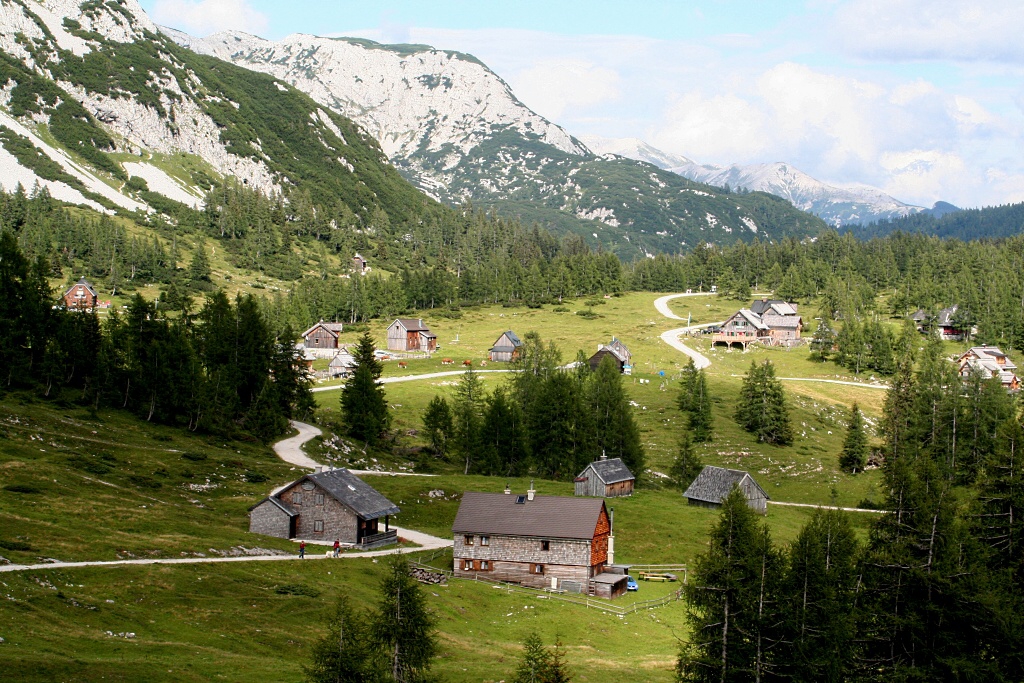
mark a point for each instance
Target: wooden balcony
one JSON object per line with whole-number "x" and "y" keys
{"x": 376, "y": 540}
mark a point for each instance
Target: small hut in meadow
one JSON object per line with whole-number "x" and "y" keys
{"x": 605, "y": 478}
{"x": 714, "y": 484}
{"x": 506, "y": 348}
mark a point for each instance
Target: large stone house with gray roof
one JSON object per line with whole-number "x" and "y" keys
{"x": 329, "y": 505}
{"x": 771, "y": 322}
{"x": 714, "y": 484}
{"x": 605, "y": 479}
{"x": 555, "y": 542}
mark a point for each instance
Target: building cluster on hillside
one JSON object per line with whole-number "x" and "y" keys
{"x": 990, "y": 362}
{"x": 771, "y": 322}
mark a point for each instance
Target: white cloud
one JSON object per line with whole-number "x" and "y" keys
{"x": 713, "y": 128}
{"x": 550, "y": 87}
{"x": 203, "y": 17}
{"x": 964, "y": 30}
{"x": 928, "y": 175}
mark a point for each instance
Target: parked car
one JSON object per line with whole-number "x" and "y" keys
{"x": 713, "y": 329}
{"x": 631, "y": 584}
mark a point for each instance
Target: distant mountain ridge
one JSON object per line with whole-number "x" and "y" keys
{"x": 836, "y": 205}
{"x": 457, "y": 131}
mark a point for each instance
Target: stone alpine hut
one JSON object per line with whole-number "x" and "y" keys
{"x": 714, "y": 484}
{"x": 606, "y": 479}
{"x": 554, "y": 542}
{"x": 325, "y": 506}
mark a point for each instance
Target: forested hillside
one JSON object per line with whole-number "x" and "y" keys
{"x": 965, "y": 224}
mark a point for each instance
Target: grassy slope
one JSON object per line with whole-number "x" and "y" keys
{"x": 805, "y": 472}
{"x": 228, "y": 621}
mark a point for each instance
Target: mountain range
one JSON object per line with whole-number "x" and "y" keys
{"x": 97, "y": 95}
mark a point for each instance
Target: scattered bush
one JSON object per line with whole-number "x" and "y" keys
{"x": 143, "y": 482}
{"x": 22, "y": 488}
{"x": 255, "y": 477}
{"x": 15, "y": 545}
{"x": 194, "y": 457}
{"x": 297, "y": 589}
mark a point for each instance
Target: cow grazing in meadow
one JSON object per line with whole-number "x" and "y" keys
{"x": 402, "y": 364}
{"x": 447, "y": 361}
{"x": 467, "y": 363}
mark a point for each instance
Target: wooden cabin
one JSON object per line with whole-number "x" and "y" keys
{"x": 553, "y": 542}
{"x": 743, "y": 328}
{"x": 326, "y": 506}
{"x": 322, "y": 336}
{"x": 945, "y": 327}
{"x": 81, "y": 296}
{"x": 341, "y": 364}
{"x": 714, "y": 484}
{"x": 605, "y": 478}
{"x": 619, "y": 353}
{"x": 506, "y": 348}
{"x": 771, "y": 322}
{"x": 410, "y": 334}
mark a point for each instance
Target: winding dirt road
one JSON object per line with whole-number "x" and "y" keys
{"x": 289, "y": 450}
{"x": 672, "y": 336}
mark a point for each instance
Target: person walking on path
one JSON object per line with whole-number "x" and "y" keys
{"x": 337, "y": 547}
{"x": 302, "y": 549}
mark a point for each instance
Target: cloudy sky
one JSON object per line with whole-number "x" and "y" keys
{"x": 922, "y": 98}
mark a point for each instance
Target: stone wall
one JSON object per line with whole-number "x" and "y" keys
{"x": 513, "y": 558}
{"x": 339, "y": 522}
{"x": 269, "y": 520}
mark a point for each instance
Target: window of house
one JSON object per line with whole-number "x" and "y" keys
{"x": 467, "y": 565}
{"x": 485, "y": 540}
{"x": 545, "y": 545}
{"x": 537, "y": 569}
{"x": 319, "y": 499}
{"x": 485, "y": 565}
{"x": 297, "y": 498}
{"x": 318, "y": 525}
{"x": 467, "y": 539}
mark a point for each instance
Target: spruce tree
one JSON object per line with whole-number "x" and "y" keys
{"x": 503, "y": 436}
{"x": 341, "y": 655}
{"x": 402, "y": 630}
{"x": 616, "y": 432}
{"x": 364, "y": 407}
{"x": 438, "y": 424}
{"x": 695, "y": 400}
{"x": 199, "y": 267}
{"x": 855, "y": 446}
{"x": 541, "y": 665}
{"x": 762, "y": 407}
{"x": 687, "y": 464}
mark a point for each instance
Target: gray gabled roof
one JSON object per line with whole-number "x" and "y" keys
{"x": 610, "y": 471}
{"x": 774, "y": 321}
{"x": 85, "y": 283}
{"x": 352, "y": 492}
{"x": 714, "y": 484}
{"x": 333, "y": 328}
{"x": 543, "y": 517}
{"x": 412, "y": 324}
{"x": 513, "y": 339}
{"x": 278, "y": 503}
{"x": 751, "y": 317}
{"x": 945, "y": 316}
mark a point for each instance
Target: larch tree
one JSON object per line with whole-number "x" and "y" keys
{"x": 342, "y": 654}
{"x": 855, "y": 445}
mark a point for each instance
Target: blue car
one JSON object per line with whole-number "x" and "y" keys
{"x": 631, "y": 584}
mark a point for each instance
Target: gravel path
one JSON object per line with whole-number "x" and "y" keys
{"x": 413, "y": 378}
{"x": 825, "y": 507}
{"x": 289, "y": 450}
{"x": 672, "y": 336}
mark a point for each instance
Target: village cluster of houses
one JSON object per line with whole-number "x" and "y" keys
{"x": 771, "y": 322}
{"x": 561, "y": 543}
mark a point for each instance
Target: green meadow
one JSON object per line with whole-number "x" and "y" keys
{"x": 76, "y": 485}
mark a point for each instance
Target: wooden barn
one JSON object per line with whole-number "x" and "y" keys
{"x": 619, "y": 353}
{"x": 81, "y": 296}
{"x": 334, "y": 504}
{"x": 714, "y": 484}
{"x": 554, "y": 542}
{"x": 341, "y": 364}
{"x": 322, "y": 336}
{"x": 605, "y": 479}
{"x": 410, "y": 334}
{"x": 506, "y": 348}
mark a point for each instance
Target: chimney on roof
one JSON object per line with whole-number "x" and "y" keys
{"x": 530, "y": 492}
{"x": 603, "y": 456}
{"x": 508, "y": 491}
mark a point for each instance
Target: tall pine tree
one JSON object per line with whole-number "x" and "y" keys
{"x": 364, "y": 407}
{"x": 855, "y": 446}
